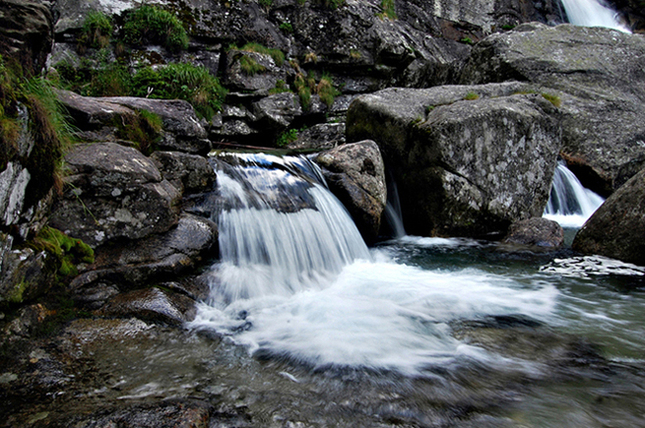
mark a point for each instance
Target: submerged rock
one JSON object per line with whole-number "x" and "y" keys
{"x": 152, "y": 304}
{"x": 617, "y": 228}
{"x": 356, "y": 175}
{"x": 592, "y": 73}
{"x": 467, "y": 160}
{"x": 536, "y": 231}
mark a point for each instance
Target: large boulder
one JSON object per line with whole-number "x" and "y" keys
{"x": 594, "y": 72}
{"x": 26, "y": 32}
{"x": 356, "y": 175}
{"x": 467, "y": 160}
{"x": 101, "y": 117}
{"x": 126, "y": 265}
{"x": 114, "y": 192}
{"x": 617, "y": 228}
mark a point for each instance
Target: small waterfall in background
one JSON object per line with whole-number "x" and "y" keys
{"x": 570, "y": 204}
{"x": 593, "y": 13}
{"x": 393, "y": 213}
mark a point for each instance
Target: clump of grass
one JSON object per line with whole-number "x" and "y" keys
{"x": 326, "y": 90}
{"x": 304, "y": 86}
{"x": 266, "y": 4}
{"x": 52, "y": 138}
{"x": 151, "y": 24}
{"x": 143, "y": 130}
{"x": 96, "y": 32}
{"x": 250, "y": 66}
{"x": 9, "y": 124}
{"x": 553, "y": 99}
{"x": 310, "y": 57}
{"x": 467, "y": 40}
{"x": 276, "y": 54}
{"x": 354, "y": 54}
{"x": 388, "y": 10}
{"x": 182, "y": 81}
{"x": 280, "y": 87}
{"x": 287, "y": 138}
{"x": 471, "y": 96}
{"x": 286, "y": 27}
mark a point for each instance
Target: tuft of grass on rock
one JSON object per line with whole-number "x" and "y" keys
{"x": 152, "y": 25}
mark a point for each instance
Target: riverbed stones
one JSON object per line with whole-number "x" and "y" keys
{"x": 467, "y": 160}
{"x": 356, "y": 175}
{"x": 187, "y": 172}
{"x": 114, "y": 192}
{"x": 593, "y": 75}
{"x": 617, "y": 228}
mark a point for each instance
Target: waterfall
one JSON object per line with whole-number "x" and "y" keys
{"x": 593, "y": 13}
{"x": 570, "y": 204}
{"x": 280, "y": 230}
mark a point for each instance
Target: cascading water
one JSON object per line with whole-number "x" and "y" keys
{"x": 296, "y": 281}
{"x": 592, "y": 13}
{"x": 570, "y": 204}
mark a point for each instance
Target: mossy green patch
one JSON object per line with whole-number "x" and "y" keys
{"x": 150, "y": 24}
{"x": 69, "y": 251}
{"x": 96, "y": 32}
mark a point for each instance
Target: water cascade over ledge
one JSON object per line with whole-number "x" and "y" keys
{"x": 593, "y": 13}
{"x": 570, "y": 204}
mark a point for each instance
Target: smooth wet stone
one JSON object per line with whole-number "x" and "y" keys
{"x": 536, "y": 231}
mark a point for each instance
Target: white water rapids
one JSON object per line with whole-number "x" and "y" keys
{"x": 301, "y": 285}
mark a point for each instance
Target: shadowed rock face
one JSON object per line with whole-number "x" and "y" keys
{"x": 594, "y": 72}
{"x": 452, "y": 150}
{"x": 26, "y": 32}
{"x": 114, "y": 192}
{"x": 617, "y": 228}
{"x": 356, "y": 175}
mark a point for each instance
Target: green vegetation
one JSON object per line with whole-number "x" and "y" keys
{"x": 287, "y": 137}
{"x": 182, "y": 81}
{"x": 143, "y": 129}
{"x": 266, "y": 4}
{"x": 471, "y": 96}
{"x": 250, "y": 66}
{"x": 151, "y": 24}
{"x": 69, "y": 252}
{"x": 326, "y": 90}
{"x": 173, "y": 81}
{"x": 9, "y": 123}
{"x": 467, "y": 40}
{"x": 304, "y": 85}
{"x": 96, "y": 32}
{"x": 280, "y": 86}
{"x": 286, "y": 27}
{"x": 388, "y": 10}
{"x": 507, "y": 27}
{"x": 553, "y": 99}
{"x": 276, "y": 54}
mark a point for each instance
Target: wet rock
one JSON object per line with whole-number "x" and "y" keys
{"x": 592, "y": 71}
{"x": 536, "y": 231}
{"x": 356, "y": 175}
{"x": 467, "y": 160}
{"x": 152, "y": 304}
{"x": 26, "y": 32}
{"x": 114, "y": 192}
{"x": 187, "y": 172}
{"x": 123, "y": 266}
{"x": 617, "y": 228}
{"x": 28, "y": 319}
{"x": 170, "y": 414}
{"x": 24, "y": 274}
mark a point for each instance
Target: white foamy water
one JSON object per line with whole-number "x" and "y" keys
{"x": 570, "y": 203}
{"x": 378, "y": 315}
{"x": 593, "y": 13}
